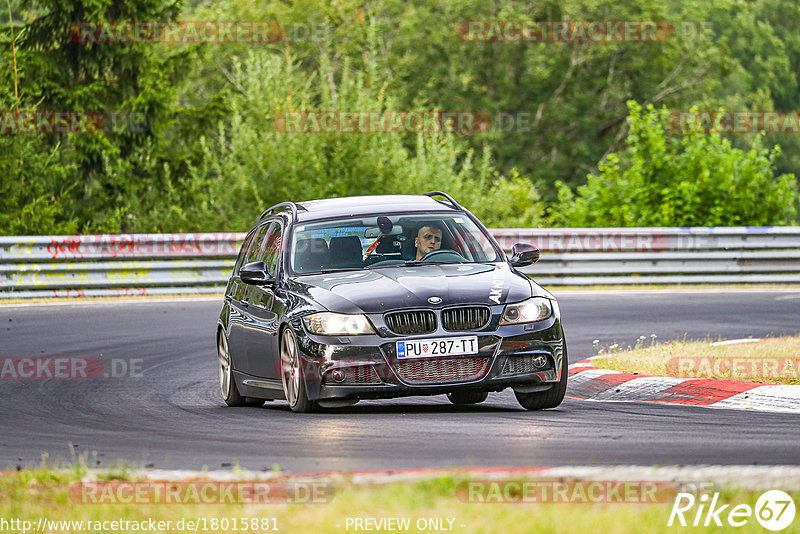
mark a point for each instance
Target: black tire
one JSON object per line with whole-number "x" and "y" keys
{"x": 294, "y": 384}
{"x": 553, "y": 397}
{"x": 227, "y": 384}
{"x": 467, "y": 397}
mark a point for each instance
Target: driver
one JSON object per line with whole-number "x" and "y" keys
{"x": 429, "y": 238}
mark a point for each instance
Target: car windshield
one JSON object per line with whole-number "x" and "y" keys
{"x": 380, "y": 241}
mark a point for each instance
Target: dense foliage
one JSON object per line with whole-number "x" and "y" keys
{"x": 695, "y": 179}
{"x": 562, "y": 141}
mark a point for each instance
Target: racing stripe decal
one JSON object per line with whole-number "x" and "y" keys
{"x": 497, "y": 285}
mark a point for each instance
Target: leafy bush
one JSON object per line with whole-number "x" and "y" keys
{"x": 666, "y": 179}
{"x": 33, "y": 187}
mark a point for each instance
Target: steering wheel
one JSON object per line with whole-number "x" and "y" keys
{"x": 441, "y": 251}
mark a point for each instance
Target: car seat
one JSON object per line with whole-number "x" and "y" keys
{"x": 311, "y": 255}
{"x": 408, "y": 250}
{"x": 346, "y": 252}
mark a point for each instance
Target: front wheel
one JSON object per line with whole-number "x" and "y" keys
{"x": 460, "y": 398}
{"x": 294, "y": 386}
{"x": 542, "y": 400}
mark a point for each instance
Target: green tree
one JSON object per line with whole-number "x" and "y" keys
{"x": 562, "y": 104}
{"x": 210, "y": 156}
{"x": 248, "y": 163}
{"x": 99, "y": 181}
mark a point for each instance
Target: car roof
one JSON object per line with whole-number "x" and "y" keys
{"x": 368, "y": 205}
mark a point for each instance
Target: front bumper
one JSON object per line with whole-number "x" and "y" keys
{"x": 367, "y": 367}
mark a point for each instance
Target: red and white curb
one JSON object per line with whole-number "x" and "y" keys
{"x": 590, "y": 383}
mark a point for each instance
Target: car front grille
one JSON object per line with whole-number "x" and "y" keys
{"x": 411, "y": 322}
{"x": 444, "y": 370}
{"x": 465, "y": 318}
{"x": 516, "y": 365}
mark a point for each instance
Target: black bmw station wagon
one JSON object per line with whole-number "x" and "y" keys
{"x": 336, "y": 300}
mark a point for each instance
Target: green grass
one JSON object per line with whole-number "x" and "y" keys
{"x": 30, "y": 494}
{"x": 772, "y": 361}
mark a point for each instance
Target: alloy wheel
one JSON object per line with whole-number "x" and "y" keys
{"x": 290, "y": 365}
{"x": 224, "y": 366}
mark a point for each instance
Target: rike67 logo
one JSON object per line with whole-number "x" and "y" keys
{"x": 774, "y": 510}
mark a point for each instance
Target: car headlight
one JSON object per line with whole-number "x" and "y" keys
{"x": 337, "y": 324}
{"x": 527, "y": 311}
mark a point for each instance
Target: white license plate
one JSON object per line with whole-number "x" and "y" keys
{"x": 425, "y": 348}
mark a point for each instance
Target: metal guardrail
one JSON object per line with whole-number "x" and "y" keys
{"x": 602, "y": 256}
{"x": 163, "y": 264}
{"x": 116, "y": 264}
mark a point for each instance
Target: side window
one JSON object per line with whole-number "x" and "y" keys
{"x": 255, "y": 246}
{"x": 248, "y": 240}
{"x": 271, "y": 249}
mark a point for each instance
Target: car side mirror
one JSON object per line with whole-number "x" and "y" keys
{"x": 256, "y": 274}
{"x": 523, "y": 254}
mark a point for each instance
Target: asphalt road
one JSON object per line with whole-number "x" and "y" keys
{"x": 168, "y": 412}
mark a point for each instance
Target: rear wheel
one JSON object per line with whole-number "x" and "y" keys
{"x": 541, "y": 400}
{"x": 467, "y": 397}
{"x": 227, "y": 384}
{"x": 294, "y": 386}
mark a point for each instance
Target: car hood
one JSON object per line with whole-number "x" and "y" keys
{"x": 389, "y": 288}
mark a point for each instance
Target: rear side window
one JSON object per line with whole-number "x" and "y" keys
{"x": 271, "y": 248}
{"x": 255, "y": 245}
{"x": 248, "y": 240}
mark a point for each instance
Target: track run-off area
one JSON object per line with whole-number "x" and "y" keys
{"x": 160, "y": 406}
